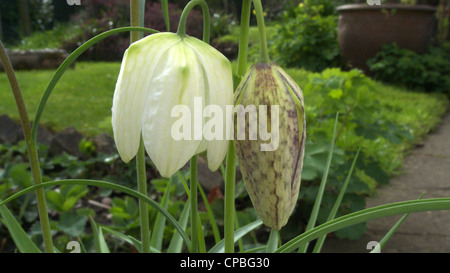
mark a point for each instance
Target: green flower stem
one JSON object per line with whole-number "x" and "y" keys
{"x": 243, "y": 39}
{"x": 272, "y": 244}
{"x": 230, "y": 171}
{"x": 194, "y": 206}
{"x": 143, "y": 207}
{"x": 135, "y": 20}
{"x": 229, "y": 199}
{"x": 206, "y": 19}
{"x": 32, "y": 150}
{"x": 262, "y": 31}
{"x": 165, "y": 8}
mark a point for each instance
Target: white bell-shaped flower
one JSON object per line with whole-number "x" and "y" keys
{"x": 165, "y": 80}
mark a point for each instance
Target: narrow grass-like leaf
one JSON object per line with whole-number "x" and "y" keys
{"x": 255, "y": 250}
{"x": 220, "y": 247}
{"x": 212, "y": 219}
{"x": 335, "y": 208}
{"x": 160, "y": 222}
{"x": 201, "y": 238}
{"x": 99, "y": 239}
{"x": 129, "y": 239}
{"x": 176, "y": 243}
{"x": 317, "y": 203}
{"x": 20, "y": 237}
{"x": 107, "y": 185}
{"x": 391, "y": 232}
{"x": 366, "y": 215}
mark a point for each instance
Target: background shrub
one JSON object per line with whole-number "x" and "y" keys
{"x": 307, "y": 36}
{"x": 426, "y": 72}
{"x": 99, "y": 16}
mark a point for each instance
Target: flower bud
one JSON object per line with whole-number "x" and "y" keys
{"x": 271, "y": 163}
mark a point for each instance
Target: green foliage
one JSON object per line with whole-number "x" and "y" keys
{"x": 52, "y": 38}
{"x": 426, "y": 72}
{"x": 307, "y": 37}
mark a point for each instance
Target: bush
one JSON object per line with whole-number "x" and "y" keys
{"x": 307, "y": 37}
{"x": 115, "y": 14}
{"x": 426, "y": 72}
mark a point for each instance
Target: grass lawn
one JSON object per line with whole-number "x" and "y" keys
{"x": 82, "y": 98}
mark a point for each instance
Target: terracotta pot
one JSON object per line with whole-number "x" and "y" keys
{"x": 364, "y": 29}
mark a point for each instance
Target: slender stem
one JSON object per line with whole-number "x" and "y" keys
{"x": 165, "y": 7}
{"x": 136, "y": 20}
{"x": 143, "y": 207}
{"x": 32, "y": 150}
{"x": 194, "y": 206}
{"x": 141, "y": 16}
{"x": 229, "y": 199}
{"x": 272, "y": 244}
{"x": 206, "y": 19}
{"x": 230, "y": 171}
{"x": 262, "y": 31}
{"x": 243, "y": 39}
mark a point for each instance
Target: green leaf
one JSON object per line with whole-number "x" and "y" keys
{"x": 72, "y": 224}
{"x": 55, "y": 198}
{"x": 21, "y": 175}
{"x": 335, "y": 208}
{"x": 104, "y": 184}
{"x": 176, "y": 242}
{"x": 19, "y": 236}
{"x": 220, "y": 247}
{"x": 99, "y": 240}
{"x": 364, "y": 216}
{"x": 317, "y": 203}
{"x": 160, "y": 222}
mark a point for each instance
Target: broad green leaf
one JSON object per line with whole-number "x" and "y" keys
{"x": 72, "y": 223}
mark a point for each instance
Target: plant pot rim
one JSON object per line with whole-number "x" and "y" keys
{"x": 351, "y": 7}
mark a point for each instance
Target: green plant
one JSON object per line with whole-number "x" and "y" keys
{"x": 426, "y": 72}
{"x": 193, "y": 238}
{"x": 307, "y": 37}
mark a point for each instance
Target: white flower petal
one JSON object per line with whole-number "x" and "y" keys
{"x": 219, "y": 90}
{"x": 137, "y": 69}
{"x": 178, "y": 82}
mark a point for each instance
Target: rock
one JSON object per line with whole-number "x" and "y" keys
{"x": 104, "y": 144}
{"x": 10, "y": 131}
{"x": 36, "y": 59}
{"x": 206, "y": 178}
{"x": 66, "y": 141}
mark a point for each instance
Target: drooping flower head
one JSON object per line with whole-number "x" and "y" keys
{"x": 159, "y": 73}
{"x": 271, "y": 171}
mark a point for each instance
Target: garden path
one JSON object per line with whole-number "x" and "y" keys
{"x": 426, "y": 170}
